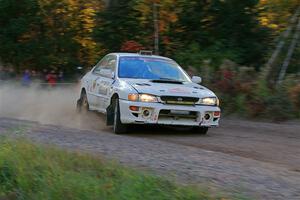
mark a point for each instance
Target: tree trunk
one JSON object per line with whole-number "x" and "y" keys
{"x": 289, "y": 55}
{"x": 284, "y": 36}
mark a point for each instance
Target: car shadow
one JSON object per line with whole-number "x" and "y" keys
{"x": 159, "y": 130}
{"x": 149, "y": 130}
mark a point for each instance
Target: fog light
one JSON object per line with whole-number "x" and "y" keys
{"x": 134, "y": 108}
{"x": 207, "y": 116}
{"x": 146, "y": 113}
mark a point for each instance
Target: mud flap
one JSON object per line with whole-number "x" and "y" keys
{"x": 78, "y": 105}
{"x": 110, "y": 115}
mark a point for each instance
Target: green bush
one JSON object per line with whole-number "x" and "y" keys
{"x": 273, "y": 104}
{"x": 278, "y": 107}
{"x": 35, "y": 172}
{"x": 241, "y": 92}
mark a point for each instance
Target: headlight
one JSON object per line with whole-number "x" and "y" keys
{"x": 147, "y": 98}
{"x": 210, "y": 101}
{"x": 142, "y": 98}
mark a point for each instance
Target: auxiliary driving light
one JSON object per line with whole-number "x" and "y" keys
{"x": 146, "y": 113}
{"x": 207, "y": 116}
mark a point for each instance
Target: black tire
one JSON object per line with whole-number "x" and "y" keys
{"x": 119, "y": 127}
{"x": 201, "y": 130}
{"x": 83, "y": 104}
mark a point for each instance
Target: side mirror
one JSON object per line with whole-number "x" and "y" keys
{"x": 107, "y": 73}
{"x": 196, "y": 79}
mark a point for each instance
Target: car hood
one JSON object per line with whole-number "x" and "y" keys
{"x": 169, "y": 89}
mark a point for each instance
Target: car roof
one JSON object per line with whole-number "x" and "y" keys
{"x": 139, "y": 55}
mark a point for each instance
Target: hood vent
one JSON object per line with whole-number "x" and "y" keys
{"x": 199, "y": 88}
{"x": 167, "y": 81}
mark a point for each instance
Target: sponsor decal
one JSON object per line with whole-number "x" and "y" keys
{"x": 94, "y": 84}
{"x": 155, "y": 117}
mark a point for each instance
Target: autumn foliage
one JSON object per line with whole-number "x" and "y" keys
{"x": 200, "y": 35}
{"x": 68, "y": 33}
{"x": 131, "y": 46}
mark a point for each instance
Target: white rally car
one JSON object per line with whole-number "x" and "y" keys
{"x": 146, "y": 89}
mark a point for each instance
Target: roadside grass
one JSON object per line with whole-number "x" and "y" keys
{"x": 36, "y": 172}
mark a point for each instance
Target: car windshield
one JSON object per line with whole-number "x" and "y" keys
{"x": 151, "y": 68}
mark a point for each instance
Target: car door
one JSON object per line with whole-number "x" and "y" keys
{"x": 94, "y": 97}
{"x": 107, "y": 74}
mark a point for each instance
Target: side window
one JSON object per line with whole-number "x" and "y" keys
{"x": 111, "y": 63}
{"x": 100, "y": 65}
{"x": 108, "y": 63}
{"x": 97, "y": 70}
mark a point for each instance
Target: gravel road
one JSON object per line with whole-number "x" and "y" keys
{"x": 258, "y": 160}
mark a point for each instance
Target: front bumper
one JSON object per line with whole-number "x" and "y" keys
{"x": 166, "y": 114}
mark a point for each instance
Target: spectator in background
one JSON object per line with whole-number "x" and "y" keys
{"x": 1, "y": 73}
{"x": 43, "y": 75}
{"x": 34, "y": 76}
{"x": 61, "y": 76}
{"x": 26, "y": 78}
{"x": 12, "y": 73}
{"x": 4, "y": 74}
{"x": 51, "y": 79}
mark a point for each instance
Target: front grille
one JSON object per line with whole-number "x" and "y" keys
{"x": 178, "y": 100}
{"x": 178, "y": 115}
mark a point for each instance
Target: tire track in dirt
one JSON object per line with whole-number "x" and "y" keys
{"x": 229, "y": 173}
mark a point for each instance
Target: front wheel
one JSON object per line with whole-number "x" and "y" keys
{"x": 119, "y": 127}
{"x": 201, "y": 130}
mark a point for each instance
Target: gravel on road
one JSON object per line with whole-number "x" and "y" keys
{"x": 191, "y": 158}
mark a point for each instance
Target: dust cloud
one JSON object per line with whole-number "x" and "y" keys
{"x": 55, "y": 106}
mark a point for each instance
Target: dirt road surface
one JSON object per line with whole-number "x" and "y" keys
{"x": 255, "y": 159}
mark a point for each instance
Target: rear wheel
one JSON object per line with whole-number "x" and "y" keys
{"x": 82, "y": 103}
{"x": 201, "y": 130}
{"x": 119, "y": 127}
